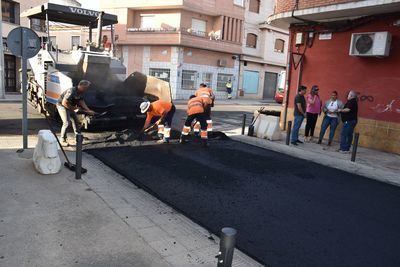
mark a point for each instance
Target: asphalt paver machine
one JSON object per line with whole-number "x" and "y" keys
{"x": 113, "y": 94}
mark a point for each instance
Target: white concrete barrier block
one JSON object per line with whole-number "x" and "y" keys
{"x": 45, "y": 155}
{"x": 267, "y": 127}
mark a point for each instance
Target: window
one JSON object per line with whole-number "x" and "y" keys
{"x": 163, "y": 74}
{"x": 254, "y": 6}
{"x": 147, "y": 22}
{"x": 75, "y": 41}
{"x": 251, "y": 40}
{"x": 207, "y": 79}
{"x": 222, "y": 80}
{"x": 238, "y": 2}
{"x": 279, "y": 46}
{"x": 199, "y": 27}
{"x": 38, "y": 25}
{"x": 10, "y": 76}
{"x": 189, "y": 79}
{"x": 53, "y": 40}
{"x": 10, "y": 11}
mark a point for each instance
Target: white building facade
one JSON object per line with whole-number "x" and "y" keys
{"x": 264, "y": 52}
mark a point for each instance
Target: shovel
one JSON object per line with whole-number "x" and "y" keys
{"x": 68, "y": 163}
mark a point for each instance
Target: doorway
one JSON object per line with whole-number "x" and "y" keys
{"x": 270, "y": 84}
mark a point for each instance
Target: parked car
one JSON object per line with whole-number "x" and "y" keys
{"x": 280, "y": 91}
{"x": 279, "y": 95}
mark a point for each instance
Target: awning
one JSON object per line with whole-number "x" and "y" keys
{"x": 69, "y": 14}
{"x": 335, "y": 12}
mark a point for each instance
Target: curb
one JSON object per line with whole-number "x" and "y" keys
{"x": 344, "y": 165}
{"x": 10, "y": 101}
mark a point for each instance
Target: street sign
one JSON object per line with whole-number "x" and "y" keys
{"x": 23, "y": 42}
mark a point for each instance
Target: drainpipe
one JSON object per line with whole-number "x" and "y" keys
{"x": 288, "y": 73}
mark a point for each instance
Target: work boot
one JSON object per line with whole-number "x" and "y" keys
{"x": 319, "y": 142}
{"x": 183, "y": 139}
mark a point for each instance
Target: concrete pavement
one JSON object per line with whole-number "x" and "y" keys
{"x": 102, "y": 220}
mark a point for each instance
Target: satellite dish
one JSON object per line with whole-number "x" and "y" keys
{"x": 364, "y": 44}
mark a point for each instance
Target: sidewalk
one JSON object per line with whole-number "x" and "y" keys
{"x": 369, "y": 163}
{"x": 101, "y": 220}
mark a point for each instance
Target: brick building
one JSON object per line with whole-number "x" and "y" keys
{"x": 347, "y": 45}
{"x": 183, "y": 42}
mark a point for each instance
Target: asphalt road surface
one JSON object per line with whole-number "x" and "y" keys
{"x": 288, "y": 212}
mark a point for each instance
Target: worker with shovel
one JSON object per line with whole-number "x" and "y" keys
{"x": 163, "y": 112}
{"x": 208, "y": 95}
{"x": 196, "y": 107}
{"x": 68, "y": 104}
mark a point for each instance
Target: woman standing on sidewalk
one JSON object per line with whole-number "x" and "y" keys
{"x": 331, "y": 118}
{"x": 313, "y": 110}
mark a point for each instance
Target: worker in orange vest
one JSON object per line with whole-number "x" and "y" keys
{"x": 163, "y": 112}
{"x": 208, "y": 95}
{"x": 195, "y": 111}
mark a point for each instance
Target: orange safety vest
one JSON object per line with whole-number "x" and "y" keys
{"x": 158, "y": 109}
{"x": 196, "y": 105}
{"x": 206, "y": 93}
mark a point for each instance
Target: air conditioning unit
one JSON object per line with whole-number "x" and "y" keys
{"x": 222, "y": 63}
{"x": 370, "y": 44}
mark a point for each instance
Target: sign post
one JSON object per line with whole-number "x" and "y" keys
{"x": 24, "y": 43}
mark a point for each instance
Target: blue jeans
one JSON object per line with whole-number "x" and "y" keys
{"x": 298, "y": 120}
{"x": 328, "y": 122}
{"x": 346, "y": 137}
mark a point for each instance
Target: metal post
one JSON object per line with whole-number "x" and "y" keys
{"x": 78, "y": 169}
{"x": 112, "y": 41}
{"x": 24, "y": 94}
{"x": 226, "y": 247}
{"x": 243, "y": 123}
{"x": 24, "y": 104}
{"x": 288, "y": 132}
{"x": 2, "y": 73}
{"x": 99, "y": 29}
{"x": 49, "y": 44}
{"x": 355, "y": 146}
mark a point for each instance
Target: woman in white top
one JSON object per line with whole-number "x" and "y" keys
{"x": 331, "y": 118}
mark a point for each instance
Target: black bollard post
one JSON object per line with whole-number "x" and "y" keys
{"x": 243, "y": 123}
{"x": 78, "y": 167}
{"x": 355, "y": 146}
{"x": 288, "y": 132}
{"x": 226, "y": 247}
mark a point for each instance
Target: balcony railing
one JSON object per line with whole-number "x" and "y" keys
{"x": 213, "y": 36}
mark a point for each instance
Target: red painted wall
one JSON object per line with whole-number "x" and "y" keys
{"x": 328, "y": 64}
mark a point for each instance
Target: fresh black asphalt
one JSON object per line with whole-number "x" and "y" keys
{"x": 288, "y": 212}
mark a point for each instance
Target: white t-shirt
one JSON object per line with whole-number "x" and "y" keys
{"x": 333, "y": 107}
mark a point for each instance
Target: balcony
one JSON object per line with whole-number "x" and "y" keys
{"x": 180, "y": 36}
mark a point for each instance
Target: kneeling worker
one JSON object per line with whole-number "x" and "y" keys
{"x": 69, "y": 102}
{"x": 163, "y": 112}
{"x": 195, "y": 110}
{"x": 208, "y": 95}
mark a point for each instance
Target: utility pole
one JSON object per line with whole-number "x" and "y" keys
{"x": 2, "y": 76}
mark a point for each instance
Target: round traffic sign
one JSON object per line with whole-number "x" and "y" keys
{"x": 23, "y": 42}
